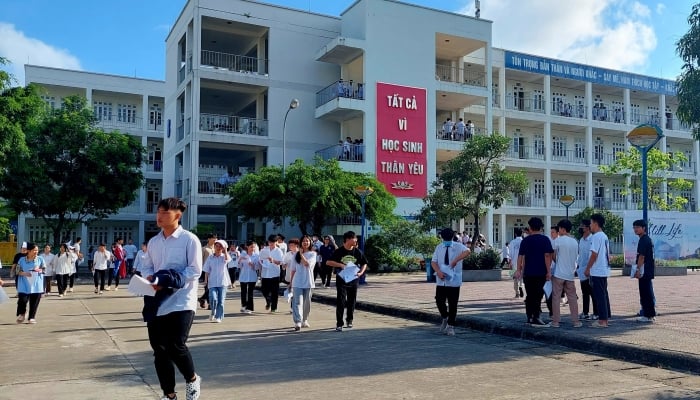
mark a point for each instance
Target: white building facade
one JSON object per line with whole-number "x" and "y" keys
{"x": 387, "y": 75}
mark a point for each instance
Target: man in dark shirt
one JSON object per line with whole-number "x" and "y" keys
{"x": 347, "y": 256}
{"x": 645, "y": 271}
{"x": 15, "y": 261}
{"x": 534, "y": 266}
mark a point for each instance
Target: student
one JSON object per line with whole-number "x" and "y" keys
{"x": 271, "y": 258}
{"x": 174, "y": 265}
{"x": 584, "y": 253}
{"x": 249, "y": 266}
{"x": 48, "y": 257}
{"x": 645, "y": 271}
{"x": 101, "y": 260}
{"x": 30, "y": 266}
{"x": 534, "y": 266}
{"x": 563, "y": 279}
{"x": 302, "y": 282}
{"x": 598, "y": 270}
{"x": 217, "y": 279}
{"x": 140, "y": 259}
{"x": 347, "y": 256}
{"x": 62, "y": 265}
{"x": 447, "y": 264}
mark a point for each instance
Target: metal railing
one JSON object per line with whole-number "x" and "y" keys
{"x": 181, "y": 131}
{"x": 608, "y": 113}
{"x": 610, "y": 203}
{"x": 526, "y": 152}
{"x": 523, "y": 104}
{"x": 214, "y": 181}
{"x": 676, "y": 125}
{"x": 346, "y": 89}
{"x": 577, "y": 204}
{"x": 151, "y": 207}
{"x": 527, "y": 200}
{"x": 447, "y": 73}
{"x": 155, "y": 166}
{"x": 234, "y": 62}
{"x": 349, "y": 220}
{"x": 454, "y": 135}
{"x": 604, "y": 158}
{"x": 233, "y": 124}
{"x": 686, "y": 167}
{"x": 569, "y": 156}
{"x": 116, "y": 122}
{"x": 569, "y": 110}
{"x": 638, "y": 118}
{"x": 341, "y": 152}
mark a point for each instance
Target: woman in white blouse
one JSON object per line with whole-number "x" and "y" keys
{"x": 301, "y": 269}
{"x": 249, "y": 266}
{"x": 100, "y": 263}
{"x": 63, "y": 264}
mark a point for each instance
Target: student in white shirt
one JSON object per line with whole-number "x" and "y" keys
{"x": 301, "y": 269}
{"x": 48, "y": 257}
{"x": 174, "y": 253}
{"x": 100, "y": 259}
{"x": 270, "y": 260}
{"x": 563, "y": 279}
{"x": 598, "y": 269}
{"x": 447, "y": 263}
{"x": 217, "y": 279}
{"x": 249, "y": 265}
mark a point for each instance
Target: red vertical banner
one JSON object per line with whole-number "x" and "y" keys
{"x": 402, "y": 139}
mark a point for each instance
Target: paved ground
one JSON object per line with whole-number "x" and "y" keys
{"x": 87, "y": 346}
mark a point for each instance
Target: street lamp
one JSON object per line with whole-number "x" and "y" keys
{"x": 363, "y": 191}
{"x": 643, "y": 138}
{"x": 566, "y": 201}
{"x": 292, "y": 105}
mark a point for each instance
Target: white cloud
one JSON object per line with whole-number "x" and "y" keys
{"x": 660, "y": 8}
{"x": 20, "y": 50}
{"x": 616, "y": 34}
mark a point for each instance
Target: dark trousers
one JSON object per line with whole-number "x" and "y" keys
{"x": 326, "y": 274}
{"x": 204, "y": 298}
{"x": 233, "y": 275}
{"x": 47, "y": 283}
{"x": 168, "y": 337}
{"x": 99, "y": 278}
{"x": 534, "y": 288}
{"x": 271, "y": 291}
{"x": 62, "y": 283}
{"x": 346, "y": 296}
{"x": 587, "y": 292}
{"x": 113, "y": 274}
{"x": 33, "y": 299}
{"x": 450, "y": 295}
{"x": 317, "y": 271}
{"x": 646, "y": 297}
{"x": 247, "y": 289}
{"x": 599, "y": 286}
{"x": 130, "y": 266}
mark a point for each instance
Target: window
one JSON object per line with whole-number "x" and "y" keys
{"x": 618, "y": 190}
{"x": 580, "y": 190}
{"x": 580, "y": 149}
{"x": 558, "y": 147}
{"x": 102, "y": 110}
{"x": 538, "y": 188}
{"x": 617, "y": 149}
{"x": 539, "y": 146}
{"x": 618, "y": 112}
{"x": 97, "y": 235}
{"x": 126, "y": 113}
{"x": 580, "y": 104}
{"x": 50, "y": 101}
{"x": 558, "y": 188}
{"x": 598, "y": 150}
{"x": 155, "y": 116}
{"x": 636, "y": 113}
{"x": 653, "y": 115}
{"x": 538, "y": 100}
{"x": 599, "y": 111}
{"x": 558, "y": 102}
{"x": 496, "y": 233}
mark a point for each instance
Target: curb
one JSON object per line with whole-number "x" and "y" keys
{"x": 652, "y": 357}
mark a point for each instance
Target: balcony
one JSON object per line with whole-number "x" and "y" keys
{"x": 577, "y": 204}
{"x": 181, "y": 74}
{"x": 569, "y": 156}
{"x": 457, "y": 137}
{"x": 446, "y": 73}
{"x": 117, "y": 122}
{"x": 637, "y": 119}
{"x": 676, "y": 125}
{"x": 569, "y": 110}
{"x": 341, "y": 100}
{"x": 604, "y": 158}
{"x": 233, "y": 124}
{"x": 155, "y": 166}
{"x": 213, "y": 181}
{"x": 610, "y": 203}
{"x": 607, "y": 113}
{"x": 234, "y": 62}
{"x": 341, "y": 50}
{"x": 526, "y": 200}
{"x": 341, "y": 152}
{"x": 527, "y": 105}
{"x": 526, "y": 153}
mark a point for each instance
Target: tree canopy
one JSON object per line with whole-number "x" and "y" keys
{"x": 472, "y": 181}
{"x": 659, "y": 170}
{"x": 613, "y": 223}
{"x": 72, "y": 171}
{"x": 310, "y": 195}
{"x": 688, "y": 83}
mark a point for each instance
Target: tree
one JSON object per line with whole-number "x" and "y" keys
{"x": 659, "y": 168}
{"x": 688, "y": 83}
{"x": 613, "y": 223}
{"x": 473, "y": 180}
{"x": 72, "y": 172}
{"x": 308, "y": 195}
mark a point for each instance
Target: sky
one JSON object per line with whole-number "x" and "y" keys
{"x": 127, "y": 37}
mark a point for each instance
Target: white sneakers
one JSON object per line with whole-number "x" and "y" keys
{"x": 305, "y": 324}
{"x": 450, "y": 331}
{"x": 443, "y": 325}
{"x": 192, "y": 389}
{"x": 20, "y": 319}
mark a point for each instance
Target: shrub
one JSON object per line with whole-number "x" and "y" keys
{"x": 617, "y": 261}
{"x": 487, "y": 259}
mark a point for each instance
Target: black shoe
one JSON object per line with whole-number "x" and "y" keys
{"x": 521, "y": 292}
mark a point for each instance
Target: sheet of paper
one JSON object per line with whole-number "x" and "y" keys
{"x": 4, "y": 298}
{"x": 141, "y": 286}
{"x": 349, "y": 273}
{"x": 547, "y": 289}
{"x": 448, "y": 271}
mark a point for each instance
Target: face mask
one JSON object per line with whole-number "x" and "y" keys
{"x": 447, "y": 243}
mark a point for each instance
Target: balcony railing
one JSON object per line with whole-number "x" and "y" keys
{"x": 527, "y": 200}
{"x": 608, "y": 113}
{"x": 522, "y": 104}
{"x": 346, "y": 89}
{"x": 604, "y": 158}
{"x": 341, "y": 152}
{"x": 448, "y": 73}
{"x": 638, "y": 118}
{"x": 526, "y": 152}
{"x": 440, "y": 133}
{"x": 569, "y": 110}
{"x": 181, "y": 131}
{"x": 676, "y": 125}
{"x": 569, "y": 156}
{"x": 610, "y": 203}
{"x": 155, "y": 166}
{"x": 151, "y": 207}
{"x": 349, "y": 220}
{"x": 234, "y": 62}
{"x": 233, "y": 124}
{"x": 116, "y": 122}
{"x": 579, "y": 203}
{"x": 214, "y": 181}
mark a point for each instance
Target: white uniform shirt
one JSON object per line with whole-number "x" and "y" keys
{"x": 64, "y": 264}
{"x": 99, "y": 260}
{"x": 48, "y": 260}
{"x": 182, "y": 252}
{"x": 303, "y": 275}
{"x": 601, "y": 246}
{"x": 216, "y": 268}
{"x": 454, "y": 250}
{"x": 249, "y": 266}
{"x": 566, "y": 250}
{"x": 515, "y": 251}
{"x": 271, "y": 269}
{"x": 584, "y": 253}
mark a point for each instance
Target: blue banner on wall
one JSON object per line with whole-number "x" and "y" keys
{"x": 586, "y": 73}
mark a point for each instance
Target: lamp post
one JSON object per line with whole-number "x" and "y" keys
{"x": 292, "y": 105}
{"x": 363, "y": 191}
{"x": 644, "y": 137}
{"x": 567, "y": 200}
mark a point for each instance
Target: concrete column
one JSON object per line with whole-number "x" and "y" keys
{"x": 505, "y": 237}
{"x": 589, "y": 146}
{"x": 489, "y": 92}
{"x": 488, "y": 225}
{"x": 547, "y": 95}
{"x": 589, "y": 101}
{"x": 589, "y": 189}
{"x": 502, "y": 88}
{"x": 144, "y": 113}
{"x": 548, "y": 188}
{"x": 662, "y": 111}
{"x": 547, "y": 141}
{"x": 628, "y": 106}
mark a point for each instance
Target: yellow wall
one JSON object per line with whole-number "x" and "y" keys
{"x": 8, "y": 251}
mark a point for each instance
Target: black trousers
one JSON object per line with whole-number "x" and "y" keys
{"x": 534, "y": 288}
{"x": 271, "y": 291}
{"x": 449, "y": 295}
{"x": 62, "y": 282}
{"x": 587, "y": 292}
{"x": 112, "y": 276}
{"x": 326, "y": 274}
{"x": 168, "y": 337}
{"x": 99, "y": 278}
{"x": 33, "y": 299}
{"x": 247, "y": 289}
{"x": 346, "y": 297}
{"x": 646, "y": 297}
